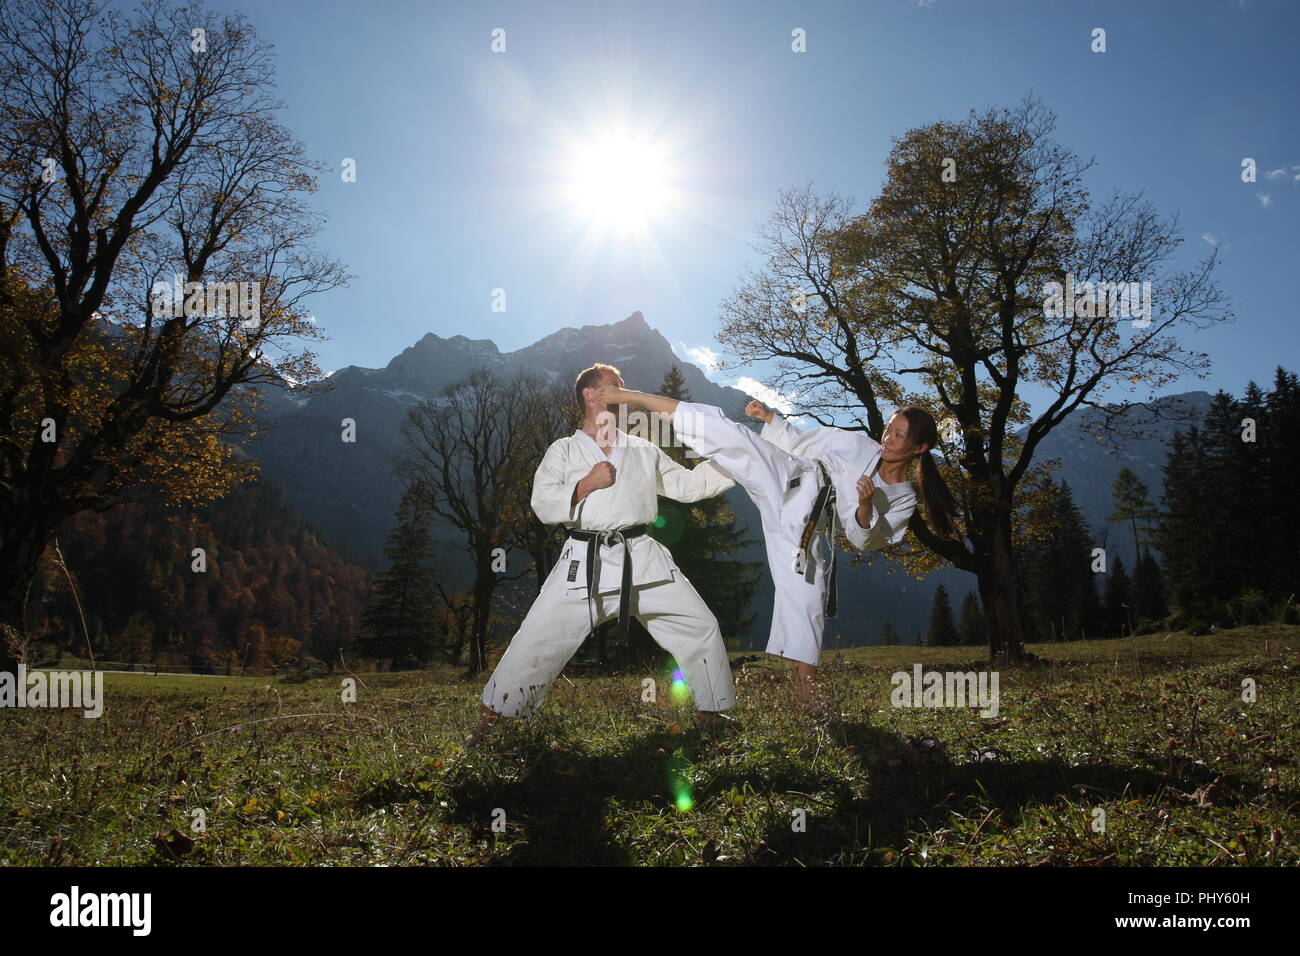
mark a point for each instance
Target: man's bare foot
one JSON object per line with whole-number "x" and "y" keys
{"x": 711, "y": 722}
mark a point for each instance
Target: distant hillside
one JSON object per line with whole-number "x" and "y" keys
{"x": 1090, "y": 464}
{"x": 274, "y": 592}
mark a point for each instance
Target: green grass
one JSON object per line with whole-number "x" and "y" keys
{"x": 1151, "y": 731}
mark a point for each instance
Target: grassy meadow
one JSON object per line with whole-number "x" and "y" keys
{"x": 1152, "y": 731}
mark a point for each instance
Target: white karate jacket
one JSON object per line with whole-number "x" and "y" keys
{"x": 848, "y": 456}
{"x": 642, "y": 472}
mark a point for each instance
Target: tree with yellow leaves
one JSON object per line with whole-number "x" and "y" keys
{"x": 942, "y": 294}
{"x": 154, "y": 248}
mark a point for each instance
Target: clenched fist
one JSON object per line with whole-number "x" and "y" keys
{"x": 602, "y": 475}
{"x": 756, "y": 409}
{"x": 866, "y": 487}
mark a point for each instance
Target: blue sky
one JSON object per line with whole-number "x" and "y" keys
{"x": 464, "y": 156}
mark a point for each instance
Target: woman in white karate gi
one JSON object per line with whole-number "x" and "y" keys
{"x": 782, "y": 471}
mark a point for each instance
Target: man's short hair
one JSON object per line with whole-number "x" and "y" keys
{"x": 589, "y": 378}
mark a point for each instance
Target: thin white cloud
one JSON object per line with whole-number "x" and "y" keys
{"x": 1275, "y": 174}
{"x": 1265, "y": 199}
{"x": 700, "y": 355}
{"x": 768, "y": 396}
{"x": 1210, "y": 238}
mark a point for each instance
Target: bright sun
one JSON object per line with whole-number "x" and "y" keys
{"x": 619, "y": 182}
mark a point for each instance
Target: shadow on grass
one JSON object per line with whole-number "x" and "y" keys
{"x": 913, "y": 791}
{"x": 556, "y": 796}
{"x": 558, "y": 806}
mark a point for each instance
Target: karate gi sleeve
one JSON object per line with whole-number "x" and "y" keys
{"x": 552, "y": 494}
{"x": 886, "y": 528}
{"x": 819, "y": 442}
{"x": 705, "y": 480}
{"x": 782, "y": 434}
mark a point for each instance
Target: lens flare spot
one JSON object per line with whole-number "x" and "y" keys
{"x": 679, "y": 780}
{"x": 679, "y": 689}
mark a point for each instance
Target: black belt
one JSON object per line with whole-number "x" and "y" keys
{"x": 825, "y": 504}
{"x": 594, "y": 540}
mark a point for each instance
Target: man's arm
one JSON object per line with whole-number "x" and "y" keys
{"x": 555, "y": 500}
{"x": 675, "y": 481}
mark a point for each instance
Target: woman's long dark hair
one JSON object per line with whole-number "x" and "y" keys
{"x": 940, "y": 508}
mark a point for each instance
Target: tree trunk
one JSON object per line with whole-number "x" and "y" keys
{"x": 20, "y": 557}
{"x": 997, "y": 585}
{"x": 485, "y": 582}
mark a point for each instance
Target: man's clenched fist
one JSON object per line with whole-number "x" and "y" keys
{"x": 757, "y": 409}
{"x": 601, "y": 475}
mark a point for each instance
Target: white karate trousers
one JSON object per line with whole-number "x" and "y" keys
{"x": 561, "y": 618}
{"x": 783, "y": 487}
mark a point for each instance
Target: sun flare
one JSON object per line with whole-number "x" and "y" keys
{"x": 619, "y": 181}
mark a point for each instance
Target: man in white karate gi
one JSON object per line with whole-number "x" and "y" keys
{"x": 603, "y": 484}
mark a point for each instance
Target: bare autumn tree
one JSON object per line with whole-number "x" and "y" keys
{"x": 937, "y": 295}
{"x": 554, "y": 413}
{"x": 137, "y": 148}
{"x": 468, "y": 450}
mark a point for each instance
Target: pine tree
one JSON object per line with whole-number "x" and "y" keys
{"x": 401, "y": 619}
{"x": 1057, "y": 586}
{"x": 943, "y": 632}
{"x": 1148, "y": 592}
{"x": 1118, "y": 601}
{"x": 888, "y": 634}
{"x": 1280, "y": 440}
{"x": 1190, "y": 559}
{"x": 972, "y": 621}
{"x": 1091, "y": 625}
{"x": 1232, "y": 524}
{"x": 1133, "y": 510}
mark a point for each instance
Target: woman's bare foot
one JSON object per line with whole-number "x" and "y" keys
{"x": 613, "y": 395}
{"x": 477, "y": 736}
